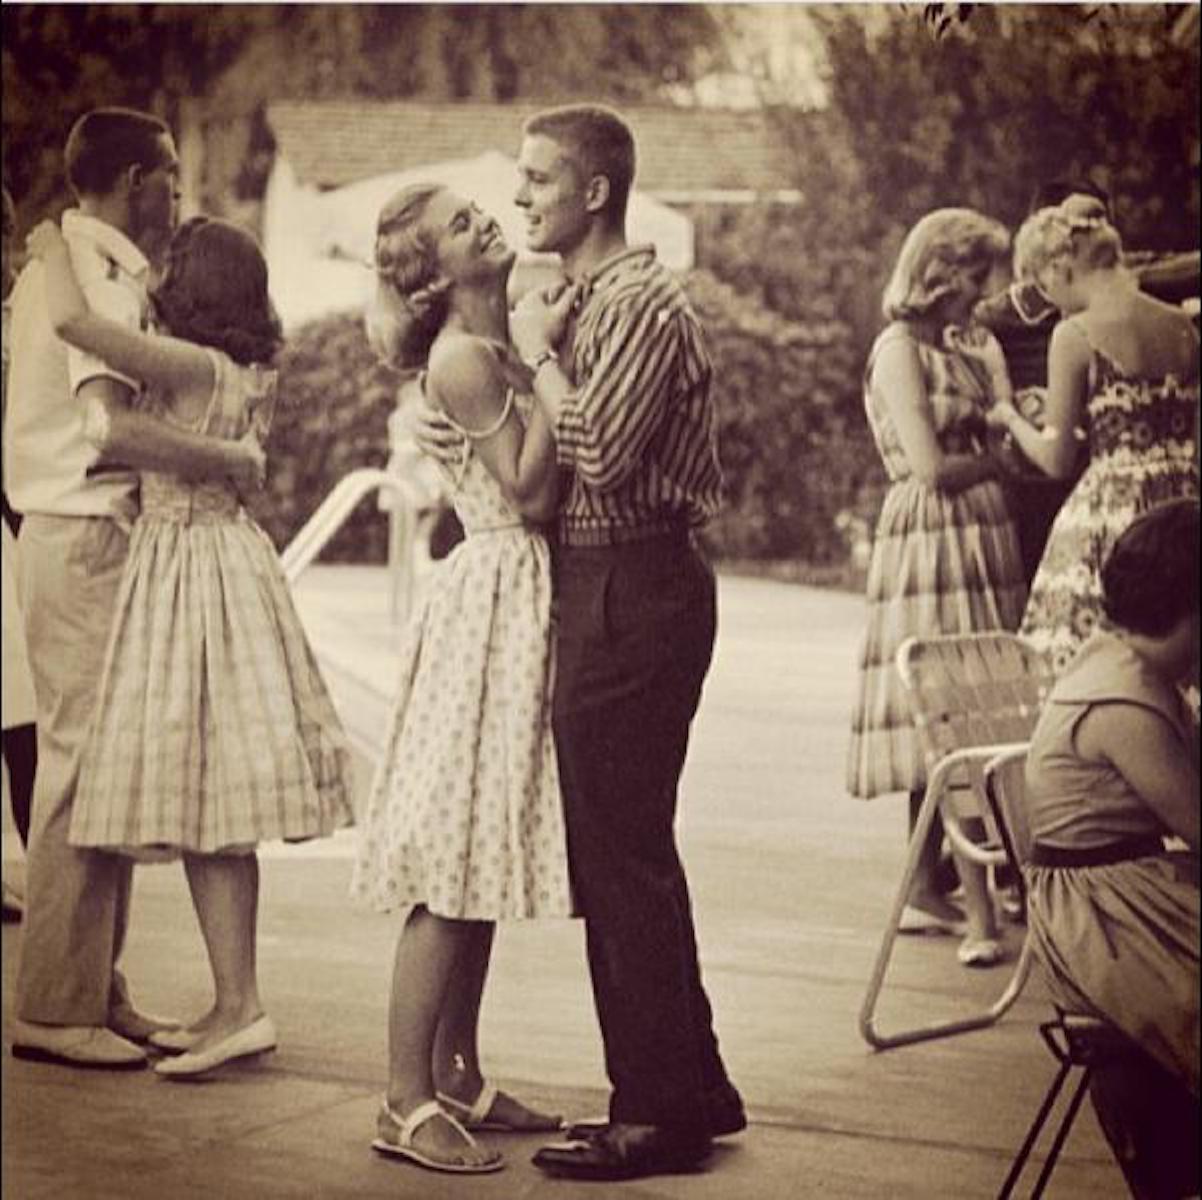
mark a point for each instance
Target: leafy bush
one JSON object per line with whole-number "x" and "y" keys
{"x": 792, "y": 437}
{"x": 335, "y": 400}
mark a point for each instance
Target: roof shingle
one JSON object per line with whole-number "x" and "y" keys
{"x": 333, "y": 143}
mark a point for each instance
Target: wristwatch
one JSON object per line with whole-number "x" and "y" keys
{"x": 541, "y": 359}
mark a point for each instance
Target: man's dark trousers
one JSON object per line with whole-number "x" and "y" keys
{"x": 635, "y": 639}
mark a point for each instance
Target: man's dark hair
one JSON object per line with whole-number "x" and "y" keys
{"x": 105, "y": 142}
{"x": 598, "y": 140}
{"x": 1055, "y": 191}
{"x": 1150, "y": 578}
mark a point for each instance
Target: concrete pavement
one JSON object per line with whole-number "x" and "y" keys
{"x": 791, "y": 882}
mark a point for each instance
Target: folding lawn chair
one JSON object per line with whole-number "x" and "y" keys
{"x": 972, "y": 696}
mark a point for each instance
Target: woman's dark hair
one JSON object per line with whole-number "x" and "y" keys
{"x": 214, "y": 292}
{"x": 1150, "y": 578}
{"x": 107, "y": 141}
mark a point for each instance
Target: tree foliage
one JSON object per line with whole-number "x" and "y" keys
{"x": 1017, "y": 95}
{"x": 60, "y": 60}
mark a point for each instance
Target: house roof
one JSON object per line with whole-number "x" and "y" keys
{"x": 681, "y": 150}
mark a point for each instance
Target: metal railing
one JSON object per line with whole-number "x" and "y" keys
{"x": 332, "y": 513}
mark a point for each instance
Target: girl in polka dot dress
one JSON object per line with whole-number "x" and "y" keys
{"x": 464, "y": 823}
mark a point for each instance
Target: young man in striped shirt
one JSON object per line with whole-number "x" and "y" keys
{"x": 621, "y": 368}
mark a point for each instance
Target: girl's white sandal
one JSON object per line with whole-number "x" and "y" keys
{"x": 406, "y": 1127}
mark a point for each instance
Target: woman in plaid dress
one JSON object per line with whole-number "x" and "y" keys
{"x": 945, "y": 559}
{"x": 213, "y": 728}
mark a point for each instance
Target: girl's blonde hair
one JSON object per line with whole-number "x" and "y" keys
{"x": 1065, "y": 232}
{"x": 949, "y": 253}
{"x": 409, "y": 306}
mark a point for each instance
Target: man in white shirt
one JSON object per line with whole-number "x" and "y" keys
{"x": 73, "y": 442}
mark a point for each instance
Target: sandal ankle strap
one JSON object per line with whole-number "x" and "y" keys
{"x": 407, "y": 1126}
{"x": 483, "y": 1103}
{"x": 478, "y": 1110}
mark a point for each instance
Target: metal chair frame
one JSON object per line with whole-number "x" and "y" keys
{"x": 973, "y": 696}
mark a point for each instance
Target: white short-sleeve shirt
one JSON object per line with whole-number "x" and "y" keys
{"x": 46, "y": 456}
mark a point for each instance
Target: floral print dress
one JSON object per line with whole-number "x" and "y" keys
{"x": 1143, "y": 451}
{"x": 465, "y": 814}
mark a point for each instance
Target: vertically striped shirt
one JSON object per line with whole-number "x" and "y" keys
{"x": 639, "y": 428}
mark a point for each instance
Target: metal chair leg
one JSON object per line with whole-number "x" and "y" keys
{"x": 1062, "y": 1133}
{"x": 867, "y": 1024}
{"x": 1033, "y": 1131}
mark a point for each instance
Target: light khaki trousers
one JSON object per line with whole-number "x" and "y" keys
{"x": 76, "y": 901}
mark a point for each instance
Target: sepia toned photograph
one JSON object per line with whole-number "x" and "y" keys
{"x": 601, "y": 600}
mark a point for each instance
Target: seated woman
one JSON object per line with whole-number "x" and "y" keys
{"x": 1112, "y": 772}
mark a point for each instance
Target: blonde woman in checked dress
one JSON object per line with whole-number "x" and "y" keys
{"x": 214, "y": 730}
{"x": 1124, "y": 365}
{"x": 464, "y": 825}
{"x": 945, "y": 558}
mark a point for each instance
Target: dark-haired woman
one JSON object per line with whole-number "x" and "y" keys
{"x": 1112, "y": 771}
{"x": 213, "y": 728}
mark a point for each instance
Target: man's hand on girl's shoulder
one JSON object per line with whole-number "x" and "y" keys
{"x": 433, "y": 434}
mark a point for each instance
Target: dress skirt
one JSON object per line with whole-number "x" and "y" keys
{"x": 213, "y": 729}
{"x": 941, "y": 564}
{"x": 465, "y": 814}
{"x": 1121, "y": 942}
{"x": 1066, "y": 594}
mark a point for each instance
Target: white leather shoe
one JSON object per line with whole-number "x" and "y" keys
{"x": 980, "y": 952}
{"x": 256, "y": 1038}
{"x": 87, "y": 1046}
{"x": 137, "y": 1026}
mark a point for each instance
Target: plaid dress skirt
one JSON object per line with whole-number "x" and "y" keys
{"x": 213, "y": 728}
{"x": 941, "y": 564}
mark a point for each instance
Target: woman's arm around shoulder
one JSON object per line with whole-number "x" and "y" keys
{"x": 166, "y": 362}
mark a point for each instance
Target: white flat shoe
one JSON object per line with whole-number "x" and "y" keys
{"x": 980, "y": 952}
{"x": 174, "y": 1041}
{"x": 256, "y": 1038}
{"x": 137, "y": 1026}
{"x": 917, "y": 920}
